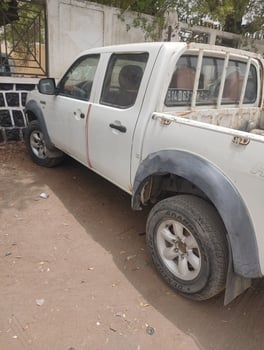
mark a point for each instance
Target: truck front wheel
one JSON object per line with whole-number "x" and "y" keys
{"x": 36, "y": 146}
{"x": 187, "y": 241}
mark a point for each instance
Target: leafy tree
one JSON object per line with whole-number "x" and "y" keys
{"x": 8, "y": 12}
{"x": 235, "y": 16}
{"x": 232, "y": 13}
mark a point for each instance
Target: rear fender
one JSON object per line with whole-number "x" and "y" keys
{"x": 220, "y": 191}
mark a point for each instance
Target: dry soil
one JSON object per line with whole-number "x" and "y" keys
{"x": 75, "y": 272}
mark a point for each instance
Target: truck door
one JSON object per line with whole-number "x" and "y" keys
{"x": 113, "y": 119}
{"x": 66, "y": 112}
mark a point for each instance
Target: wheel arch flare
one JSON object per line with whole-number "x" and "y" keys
{"x": 219, "y": 190}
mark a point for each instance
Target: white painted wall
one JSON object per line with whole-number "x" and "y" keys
{"x": 77, "y": 25}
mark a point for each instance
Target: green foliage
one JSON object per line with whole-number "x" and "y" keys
{"x": 229, "y": 13}
{"x": 255, "y": 16}
{"x": 151, "y": 25}
{"x": 4, "y": 5}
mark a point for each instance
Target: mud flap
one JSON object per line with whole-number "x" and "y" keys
{"x": 235, "y": 284}
{"x": 54, "y": 153}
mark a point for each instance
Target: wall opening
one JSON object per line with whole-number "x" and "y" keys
{"x": 23, "y": 38}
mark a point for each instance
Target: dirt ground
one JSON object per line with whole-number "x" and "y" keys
{"x": 75, "y": 273}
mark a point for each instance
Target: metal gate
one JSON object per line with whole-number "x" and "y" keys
{"x": 23, "y": 38}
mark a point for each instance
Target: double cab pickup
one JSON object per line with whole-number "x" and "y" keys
{"x": 180, "y": 127}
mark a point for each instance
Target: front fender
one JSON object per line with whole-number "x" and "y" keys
{"x": 32, "y": 106}
{"x": 221, "y": 192}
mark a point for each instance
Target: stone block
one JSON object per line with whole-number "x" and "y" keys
{"x": 23, "y": 98}
{"x": 12, "y": 99}
{"x": 13, "y": 134}
{"x": 25, "y": 87}
{"x": 5, "y": 87}
{"x": 2, "y": 100}
{"x": 5, "y": 118}
{"x": 18, "y": 118}
{"x": 2, "y": 139}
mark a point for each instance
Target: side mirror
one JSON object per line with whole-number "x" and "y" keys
{"x": 47, "y": 86}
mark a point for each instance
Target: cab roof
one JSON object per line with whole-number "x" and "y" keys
{"x": 149, "y": 46}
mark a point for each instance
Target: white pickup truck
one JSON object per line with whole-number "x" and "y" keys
{"x": 179, "y": 127}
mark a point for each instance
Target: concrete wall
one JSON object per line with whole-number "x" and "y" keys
{"x": 77, "y": 25}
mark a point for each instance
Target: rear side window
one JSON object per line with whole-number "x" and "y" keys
{"x": 181, "y": 87}
{"x": 123, "y": 78}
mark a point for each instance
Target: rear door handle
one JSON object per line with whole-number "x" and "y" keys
{"x": 120, "y": 128}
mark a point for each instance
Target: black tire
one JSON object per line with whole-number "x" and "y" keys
{"x": 187, "y": 241}
{"x": 36, "y": 146}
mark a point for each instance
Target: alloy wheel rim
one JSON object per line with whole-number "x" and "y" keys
{"x": 178, "y": 250}
{"x": 38, "y": 144}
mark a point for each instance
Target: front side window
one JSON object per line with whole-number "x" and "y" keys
{"x": 77, "y": 82}
{"x": 181, "y": 87}
{"x": 122, "y": 80}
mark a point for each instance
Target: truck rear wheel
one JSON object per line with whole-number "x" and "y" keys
{"x": 187, "y": 241}
{"x": 36, "y": 146}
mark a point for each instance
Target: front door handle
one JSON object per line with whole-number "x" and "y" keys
{"x": 120, "y": 128}
{"x": 78, "y": 114}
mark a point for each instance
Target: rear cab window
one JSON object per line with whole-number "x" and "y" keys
{"x": 211, "y": 81}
